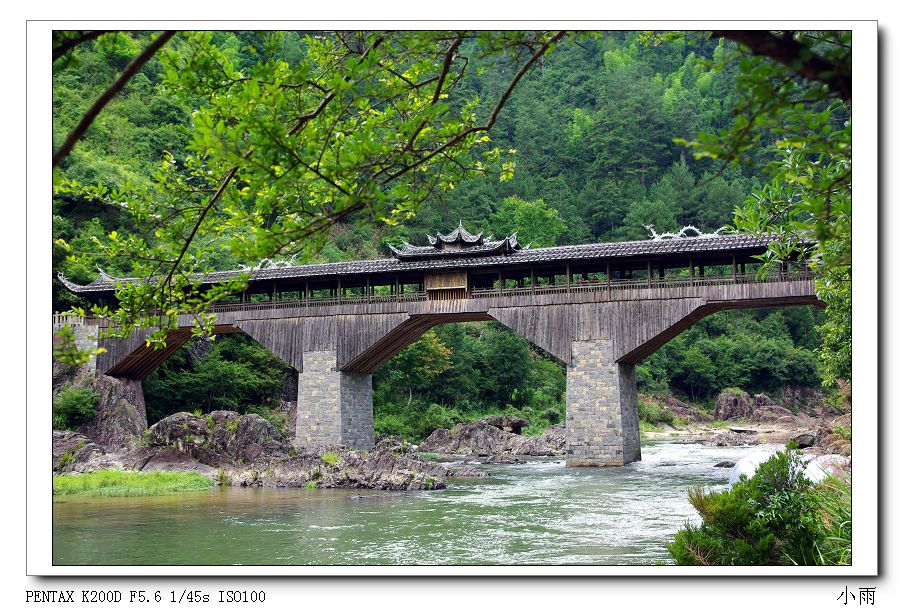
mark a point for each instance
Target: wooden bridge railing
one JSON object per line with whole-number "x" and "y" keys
{"x": 552, "y": 289}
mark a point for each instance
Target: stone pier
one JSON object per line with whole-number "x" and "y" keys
{"x": 334, "y": 407}
{"x": 601, "y": 422}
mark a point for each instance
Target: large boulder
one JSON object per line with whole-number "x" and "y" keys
{"x": 834, "y": 437}
{"x": 221, "y": 437}
{"x": 805, "y": 439}
{"x": 72, "y": 451}
{"x": 480, "y": 438}
{"x": 75, "y": 453}
{"x": 120, "y": 420}
{"x": 733, "y": 405}
{"x": 737, "y": 405}
{"x": 477, "y": 438}
{"x": 378, "y": 469}
{"x": 64, "y": 375}
{"x": 507, "y": 423}
{"x": 732, "y": 439}
{"x": 550, "y": 443}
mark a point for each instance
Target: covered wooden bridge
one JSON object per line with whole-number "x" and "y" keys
{"x": 600, "y": 308}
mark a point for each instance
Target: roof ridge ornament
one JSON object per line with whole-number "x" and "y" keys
{"x": 458, "y": 243}
{"x": 687, "y": 232}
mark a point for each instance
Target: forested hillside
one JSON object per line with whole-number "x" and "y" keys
{"x": 591, "y": 132}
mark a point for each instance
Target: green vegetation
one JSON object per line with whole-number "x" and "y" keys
{"x": 234, "y": 373}
{"x": 651, "y": 413}
{"x": 73, "y": 406}
{"x": 331, "y": 458}
{"x": 646, "y": 426}
{"x": 775, "y": 517}
{"x": 126, "y": 483}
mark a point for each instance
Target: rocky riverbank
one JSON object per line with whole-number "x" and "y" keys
{"x": 489, "y": 442}
{"x": 247, "y": 450}
{"x": 801, "y": 415}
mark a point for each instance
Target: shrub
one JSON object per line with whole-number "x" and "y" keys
{"x": 73, "y": 406}
{"x": 775, "y": 517}
{"x": 654, "y": 414}
{"x": 391, "y": 424}
{"x": 330, "y": 458}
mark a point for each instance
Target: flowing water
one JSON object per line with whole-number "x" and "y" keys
{"x": 536, "y": 513}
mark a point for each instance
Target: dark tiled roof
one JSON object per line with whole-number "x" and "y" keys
{"x": 526, "y": 256}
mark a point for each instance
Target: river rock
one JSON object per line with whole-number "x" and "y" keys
{"x": 120, "y": 420}
{"x": 805, "y": 439}
{"x": 342, "y": 468}
{"x": 725, "y": 464}
{"x": 550, "y": 443}
{"x": 507, "y": 423}
{"x": 733, "y": 405}
{"x": 394, "y": 444}
{"x": 221, "y": 437}
{"x": 480, "y": 438}
{"x": 831, "y": 437}
{"x": 72, "y": 450}
{"x": 731, "y": 439}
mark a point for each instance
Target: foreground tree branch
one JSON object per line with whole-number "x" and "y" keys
{"x": 803, "y": 60}
{"x": 109, "y": 94}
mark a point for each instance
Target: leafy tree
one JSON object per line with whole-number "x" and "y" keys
{"x": 535, "y": 222}
{"x": 415, "y": 366}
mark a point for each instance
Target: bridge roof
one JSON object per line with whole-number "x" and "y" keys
{"x": 527, "y": 257}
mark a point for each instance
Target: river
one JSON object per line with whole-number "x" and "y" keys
{"x": 536, "y": 513}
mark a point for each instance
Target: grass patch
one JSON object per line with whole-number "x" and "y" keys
{"x": 646, "y": 426}
{"x": 128, "y": 483}
{"x": 330, "y": 458}
{"x": 429, "y": 457}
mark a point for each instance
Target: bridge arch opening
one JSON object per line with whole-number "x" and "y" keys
{"x": 460, "y": 372}
{"x": 232, "y": 372}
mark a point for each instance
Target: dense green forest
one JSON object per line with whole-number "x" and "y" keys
{"x": 589, "y": 137}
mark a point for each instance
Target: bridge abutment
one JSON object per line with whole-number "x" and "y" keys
{"x": 601, "y": 421}
{"x": 334, "y": 407}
